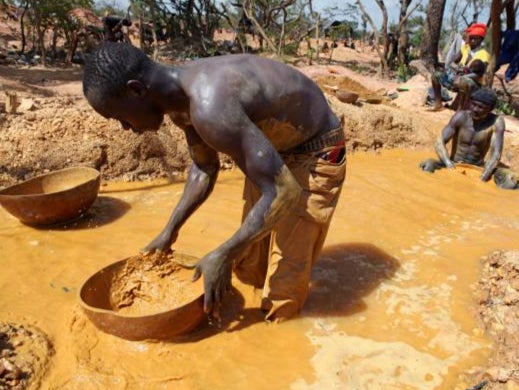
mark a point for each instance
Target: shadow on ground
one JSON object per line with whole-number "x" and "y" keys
{"x": 343, "y": 275}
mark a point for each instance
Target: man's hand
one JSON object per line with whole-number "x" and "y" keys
{"x": 217, "y": 270}
{"x": 162, "y": 243}
{"x": 485, "y": 176}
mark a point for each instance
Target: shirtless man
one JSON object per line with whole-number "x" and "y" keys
{"x": 276, "y": 125}
{"x": 473, "y": 133}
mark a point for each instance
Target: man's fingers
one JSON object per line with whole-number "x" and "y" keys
{"x": 196, "y": 274}
{"x": 208, "y": 303}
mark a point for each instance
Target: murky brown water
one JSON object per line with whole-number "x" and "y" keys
{"x": 391, "y": 305}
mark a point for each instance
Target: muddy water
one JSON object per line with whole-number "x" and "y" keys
{"x": 391, "y": 305}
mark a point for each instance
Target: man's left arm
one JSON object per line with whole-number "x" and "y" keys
{"x": 496, "y": 149}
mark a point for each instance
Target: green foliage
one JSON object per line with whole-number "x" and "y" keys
{"x": 404, "y": 73}
{"x": 359, "y": 68}
{"x": 342, "y": 31}
{"x": 291, "y": 48}
{"x": 504, "y": 107}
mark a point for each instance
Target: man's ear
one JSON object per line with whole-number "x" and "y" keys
{"x": 136, "y": 88}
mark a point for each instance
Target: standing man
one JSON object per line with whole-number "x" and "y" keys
{"x": 276, "y": 125}
{"x": 473, "y": 133}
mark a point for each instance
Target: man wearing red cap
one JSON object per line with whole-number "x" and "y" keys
{"x": 468, "y": 74}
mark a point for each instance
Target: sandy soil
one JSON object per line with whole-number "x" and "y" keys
{"x": 53, "y": 128}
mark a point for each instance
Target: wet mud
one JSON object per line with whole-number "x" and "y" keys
{"x": 391, "y": 304}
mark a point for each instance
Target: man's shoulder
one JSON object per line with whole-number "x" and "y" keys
{"x": 483, "y": 55}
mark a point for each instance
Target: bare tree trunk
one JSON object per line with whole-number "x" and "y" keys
{"x": 385, "y": 38}
{"x": 495, "y": 20}
{"x": 384, "y": 68}
{"x": 73, "y": 46}
{"x": 403, "y": 37}
{"x": 151, "y": 4}
{"x": 431, "y": 34}
{"x": 510, "y": 15}
{"x": 254, "y": 21}
{"x": 316, "y": 40}
{"x": 22, "y": 27}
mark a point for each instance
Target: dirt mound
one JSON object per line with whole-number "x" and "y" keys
{"x": 24, "y": 355}
{"x": 331, "y": 82}
{"x": 372, "y": 127}
{"x": 498, "y": 297}
{"x": 56, "y": 132}
{"x": 64, "y": 131}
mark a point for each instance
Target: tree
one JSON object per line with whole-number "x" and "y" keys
{"x": 49, "y": 17}
{"x": 384, "y": 53}
{"x": 403, "y": 36}
{"x": 276, "y": 22}
{"x": 431, "y": 34}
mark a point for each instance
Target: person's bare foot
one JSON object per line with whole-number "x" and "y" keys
{"x": 437, "y": 107}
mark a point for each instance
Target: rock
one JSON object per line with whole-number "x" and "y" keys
{"x": 499, "y": 374}
{"x": 26, "y": 104}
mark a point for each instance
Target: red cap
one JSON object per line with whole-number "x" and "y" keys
{"x": 477, "y": 29}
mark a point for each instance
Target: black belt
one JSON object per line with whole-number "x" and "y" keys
{"x": 315, "y": 144}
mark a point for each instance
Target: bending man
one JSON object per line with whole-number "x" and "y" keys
{"x": 279, "y": 129}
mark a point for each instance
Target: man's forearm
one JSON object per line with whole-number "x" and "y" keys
{"x": 490, "y": 166}
{"x": 270, "y": 208}
{"x": 198, "y": 187}
{"x": 442, "y": 153}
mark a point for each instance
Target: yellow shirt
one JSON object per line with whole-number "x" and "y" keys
{"x": 479, "y": 54}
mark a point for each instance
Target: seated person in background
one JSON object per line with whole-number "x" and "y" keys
{"x": 464, "y": 76}
{"x": 473, "y": 133}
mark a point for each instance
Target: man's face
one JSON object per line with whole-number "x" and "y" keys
{"x": 475, "y": 41}
{"x": 479, "y": 110}
{"x": 133, "y": 112}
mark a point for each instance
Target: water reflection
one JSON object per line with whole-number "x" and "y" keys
{"x": 103, "y": 211}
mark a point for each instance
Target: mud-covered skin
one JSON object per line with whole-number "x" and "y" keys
{"x": 227, "y": 104}
{"x": 474, "y": 133}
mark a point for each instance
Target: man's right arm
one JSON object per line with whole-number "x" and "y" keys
{"x": 446, "y": 135}
{"x": 199, "y": 185}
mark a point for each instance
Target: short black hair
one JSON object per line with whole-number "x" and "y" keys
{"x": 486, "y": 96}
{"x": 478, "y": 67}
{"x": 108, "y": 69}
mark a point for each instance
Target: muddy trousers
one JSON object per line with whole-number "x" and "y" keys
{"x": 281, "y": 263}
{"x": 503, "y": 177}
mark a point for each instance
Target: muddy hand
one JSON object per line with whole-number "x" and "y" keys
{"x": 217, "y": 272}
{"x": 162, "y": 243}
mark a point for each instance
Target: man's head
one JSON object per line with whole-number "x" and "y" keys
{"x": 483, "y": 101}
{"x": 114, "y": 83}
{"x": 476, "y": 34}
{"x": 478, "y": 67}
